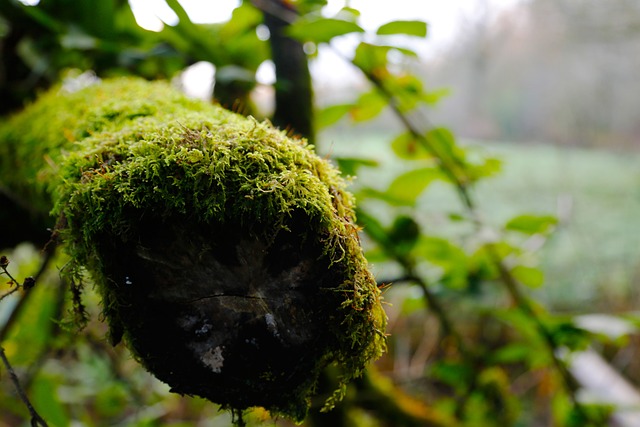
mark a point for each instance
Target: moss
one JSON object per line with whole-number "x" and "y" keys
{"x": 125, "y": 161}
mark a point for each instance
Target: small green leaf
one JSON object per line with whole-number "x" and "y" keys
{"x": 45, "y": 398}
{"x": 408, "y": 186}
{"x": 443, "y": 140}
{"x": 490, "y": 166}
{"x": 348, "y": 14}
{"x": 243, "y": 17}
{"x": 511, "y": 353}
{"x": 373, "y": 193}
{"x": 404, "y": 234}
{"x": 529, "y": 276}
{"x": 368, "y": 106}
{"x": 457, "y": 374}
{"x": 407, "y": 89}
{"x": 566, "y": 333}
{"x": 433, "y": 97}
{"x": 410, "y": 28}
{"x": 413, "y": 301}
{"x": 532, "y": 224}
{"x": 372, "y": 58}
{"x": 407, "y": 147}
{"x": 321, "y": 30}
{"x": 332, "y": 114}
{"x": 446, "y": 255}
{"x": 350, "y": 165}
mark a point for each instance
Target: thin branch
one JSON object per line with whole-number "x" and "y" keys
{"x": 448, "y": 328}
{"x": 6, "y": 294}
{"x": 4, "y": 262}
{"x": 511, "y": 284}
{"x": 525, "y": 306}
{"x": 36, "y": 419}
{"x": 48, "y": 255}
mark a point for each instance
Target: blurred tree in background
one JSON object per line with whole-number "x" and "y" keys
{"x": 546, "y": 70}
{"x": 468, "y": 344}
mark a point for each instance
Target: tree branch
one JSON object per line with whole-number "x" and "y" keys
{"x": 36, "y": 419}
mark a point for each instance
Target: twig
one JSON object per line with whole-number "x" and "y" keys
{"x": 525, "y": 306}
{"x": 12, "y": 291}
{"x": 36, "y": 419}
{"x": 48, "y": 255}
{"x": 511, "y": 284}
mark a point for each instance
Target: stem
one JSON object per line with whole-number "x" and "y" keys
{"x": 13, "y": 281}
{"x": 48, "y": 255}
{"x": 448, "y": 328}
{"x": 525, "y": 306}
{"x": 511, "y": 284}
{"x": 36, "y": 419}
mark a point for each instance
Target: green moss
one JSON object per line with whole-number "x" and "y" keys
{"x": 101, "y": 156}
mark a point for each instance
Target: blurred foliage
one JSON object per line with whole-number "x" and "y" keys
{"x": 469, "y": 346}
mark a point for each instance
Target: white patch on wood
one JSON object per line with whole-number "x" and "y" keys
{"x": 271, "y": 324}
{"x": 214, "y": 359}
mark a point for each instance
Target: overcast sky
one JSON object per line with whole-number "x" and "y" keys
{"x": 444, "y": 17}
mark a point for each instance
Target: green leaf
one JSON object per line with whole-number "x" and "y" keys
{"x": 457, "y": 374}
{"x": 321, "y": 30}
{"x": 529, "y": 276}
{"x": 406, "y": 188}
{"x": 407, "y": 147}
{"x": 448, "y": 256}
{"x": 443, "y": 140}
{"x": 404, "y": 234}
{"x": 511, "y": 353}
{"x": 243, "y": 18}
{"x": 491, "y": 166}
{"x": 368, "y": 106}
{"x": 350, "y": 165}
{"x": 348, "y": 14}
{"x": 45, "y": 399}
{"x": 532, "y": 224}
{"x": 413, "y": 301}
{"x": 566, "y": 333}
{"x": 407, "y": 89}
{"x": 372, "y": 58}
{"x": 433, "y": 97}
{"x": 332, "y": 114}
{"x": 410, "y": 28}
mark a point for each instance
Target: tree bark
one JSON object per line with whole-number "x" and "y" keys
{"x": 294, "y": 92}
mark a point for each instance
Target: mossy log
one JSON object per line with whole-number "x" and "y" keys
{"x": 225, "y": 253}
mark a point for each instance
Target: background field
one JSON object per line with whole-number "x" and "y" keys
{"x": 592, "y": 260}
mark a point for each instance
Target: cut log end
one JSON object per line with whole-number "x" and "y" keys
{"x": 224, "y": 313}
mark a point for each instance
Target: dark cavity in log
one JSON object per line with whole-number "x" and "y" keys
{"x": 223, "y": 312}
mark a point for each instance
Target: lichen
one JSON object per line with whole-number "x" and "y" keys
{"x": 106, "y": 157}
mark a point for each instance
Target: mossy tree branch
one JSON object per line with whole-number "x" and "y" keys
{"x": 207, "y": 233}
